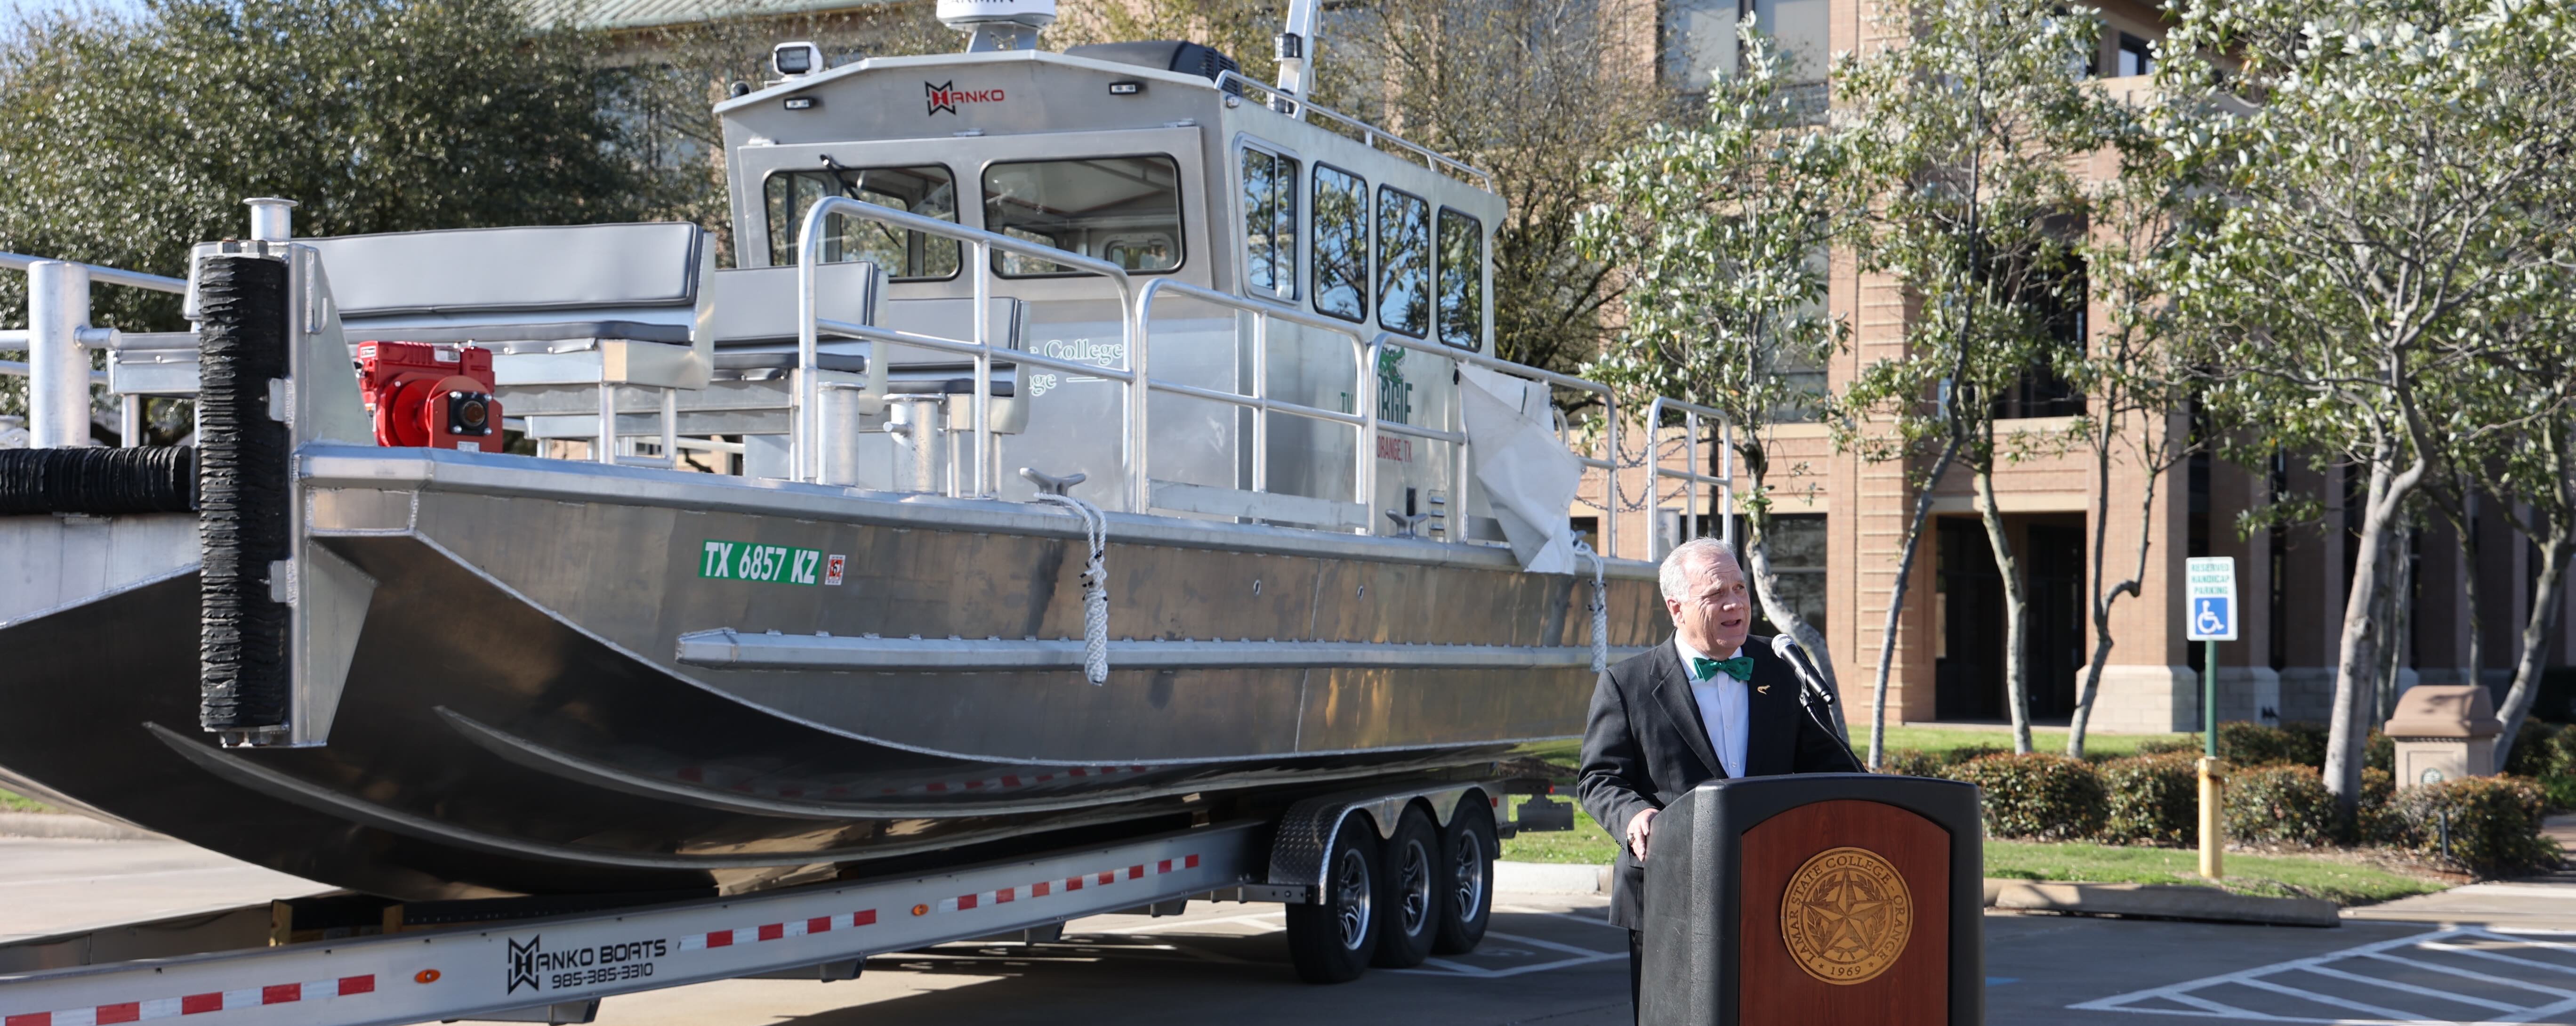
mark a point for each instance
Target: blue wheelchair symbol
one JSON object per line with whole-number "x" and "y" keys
{"x": 2210, "y": 616}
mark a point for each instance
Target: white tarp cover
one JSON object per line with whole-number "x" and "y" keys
{"x": 1527, "y": 474}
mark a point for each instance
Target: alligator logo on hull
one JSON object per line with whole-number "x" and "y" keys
{"x": 946, "y": 96}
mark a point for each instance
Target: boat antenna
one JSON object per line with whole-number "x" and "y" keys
{"x": 1296, "y": 54}
{"x": 998, "y": 24}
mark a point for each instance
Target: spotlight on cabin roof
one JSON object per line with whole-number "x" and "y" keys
{"x": 998, "y": 24}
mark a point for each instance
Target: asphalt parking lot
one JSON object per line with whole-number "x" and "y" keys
{"x": 2490, "y": 953}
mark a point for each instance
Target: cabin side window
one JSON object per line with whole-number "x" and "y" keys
{"x": 1404, "y": 262}
{"x": 1270, "y": 223}
{"x": 1341, "y": 243}
{"x": 929, "y": 191}
{"x": 1462, "y": 280}
{"x": 1121, "y": 210}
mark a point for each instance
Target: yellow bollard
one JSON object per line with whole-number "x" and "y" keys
{"x": 2213, "y": 817}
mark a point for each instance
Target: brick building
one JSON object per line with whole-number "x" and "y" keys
{"x": 1843, "y": 519}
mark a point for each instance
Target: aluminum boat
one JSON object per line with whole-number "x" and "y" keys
{"x": 1082, "y": 443}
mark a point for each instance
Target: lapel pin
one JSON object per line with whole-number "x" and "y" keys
{"x": 1763, "y": 690}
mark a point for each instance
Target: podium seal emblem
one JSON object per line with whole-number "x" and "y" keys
{"x": 1846, "y": 915}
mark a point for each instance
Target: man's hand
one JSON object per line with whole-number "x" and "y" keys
{"x": 1641, "y": 829}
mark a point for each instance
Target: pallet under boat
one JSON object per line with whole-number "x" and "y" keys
{"x": 514, "y": 675}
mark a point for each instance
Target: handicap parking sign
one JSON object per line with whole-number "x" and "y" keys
{"x": 2210, "y": 598}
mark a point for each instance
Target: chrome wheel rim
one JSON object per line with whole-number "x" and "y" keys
{"x": 1414, "y": 878}
{"x": 1468, "y": 875}
{"x": 1351, "y": 897}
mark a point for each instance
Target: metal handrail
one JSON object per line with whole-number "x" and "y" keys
{"x": 1692, "y": 414}
{"x": 1608, "y": 465}
{"x": 110, "y": 275}
{"x": 1363, "y": 476}
{"x": 1370, "y": 133}
{"x": 808, "y": 444}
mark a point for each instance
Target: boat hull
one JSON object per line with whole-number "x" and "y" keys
{"x": 517, "y": 718}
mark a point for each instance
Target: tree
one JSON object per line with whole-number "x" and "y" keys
{"x": 1717, "y": 230}
{"x": 1969, "y": 132}
{"x": 2134, "y": 384}
{"x": 126, "y": 139}
{"x": 2373, "y": 179}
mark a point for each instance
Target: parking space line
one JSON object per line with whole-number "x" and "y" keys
{"x": 1445, "y": 967}
{"x": 2470, "y": 974}
{"x": 1551, "y": 945}
{"x": 2472, "y": 941}
{"x": 2419, "y": 991}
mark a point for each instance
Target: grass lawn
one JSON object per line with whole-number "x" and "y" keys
{"x": 13, "y": 803}
{"x": 1939, "y": 739}
{"x": 2304, "y": 876}
{"x": 1586, "y": 843}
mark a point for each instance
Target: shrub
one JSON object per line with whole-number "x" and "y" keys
{"x": 2380, "y": 753}
{"x": 2536, "y": 752}
{"x": 2151, "y": 798}
{"x": 2378, "y": 823}
{"x": 1913, "y": 762}
{"x": 2188, "y": 744}
{"x": 2280, "y": 803}
{"x": 2244, "y": 743}
{"x": 2492, "y": 823}
{"x": 2044, "y": 797}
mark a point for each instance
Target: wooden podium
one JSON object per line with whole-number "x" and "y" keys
{"x": 1831, "y": 899}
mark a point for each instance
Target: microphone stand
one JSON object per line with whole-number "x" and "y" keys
{"x": 1812, "y": 692}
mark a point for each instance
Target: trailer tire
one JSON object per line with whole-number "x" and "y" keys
{"x": 1467, "y": 851}
{"x": 1332, "y": 940}
{"x": 1412, "y": 892}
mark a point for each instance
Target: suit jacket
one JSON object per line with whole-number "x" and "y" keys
{"x": 1644, "y": 746}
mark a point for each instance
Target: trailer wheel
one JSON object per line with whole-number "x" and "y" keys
{"x": 1414, "y": 894}
{"x": 1333, "y": 940}
{"x": 1467, "y": 851}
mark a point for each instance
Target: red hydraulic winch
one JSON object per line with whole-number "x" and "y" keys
{"x": 432, "y": 396}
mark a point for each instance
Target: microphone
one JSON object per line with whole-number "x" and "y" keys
{"x": 1812, "y": 692}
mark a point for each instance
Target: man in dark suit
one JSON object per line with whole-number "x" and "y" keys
{"x": 1709, "y": 704}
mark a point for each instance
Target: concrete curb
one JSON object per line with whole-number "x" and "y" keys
{"x": 2140, "y": 901}
{"x": 1551, "y": 878}
{"x": 2159, "y": 901}
{"x": 64, "y": 825}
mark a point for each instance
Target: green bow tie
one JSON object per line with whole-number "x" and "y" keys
{"x": 1740, "y": 668}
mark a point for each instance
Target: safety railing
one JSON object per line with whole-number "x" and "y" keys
{"x": 1693, "y": 416}
{"x": 1370, "y": 135}
{"x": 1607, "y": 463}
{"x": 806, "y": 445}
{"x": 57, "y": 340}
{"x": 1363, "y": 354}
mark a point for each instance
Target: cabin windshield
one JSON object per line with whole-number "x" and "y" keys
{"x": 1124, "y": 210}
{"x": 929, "y": 191}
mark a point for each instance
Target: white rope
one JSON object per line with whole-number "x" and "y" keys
{"x": 1095, "y": 586}
{"x": 1600, "y": 610}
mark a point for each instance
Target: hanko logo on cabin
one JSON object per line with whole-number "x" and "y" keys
{"x": 946, "y": 96}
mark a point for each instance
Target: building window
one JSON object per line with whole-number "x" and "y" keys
{"x": 1270, "y": 222}
{"x": 2042, "y": 390}
{"x": 1341, "y": 243}
{"x": 1403, "y": 262}
{"x": 2135, "y": 59}
{"x": 1462, "y": 280}
{"x": 1122, "y": 210}
{"x": 904, "y": 256}
{"x": 1797, "y": 550}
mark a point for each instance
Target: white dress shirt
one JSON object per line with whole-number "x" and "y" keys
{"x": 1723, "y": 708}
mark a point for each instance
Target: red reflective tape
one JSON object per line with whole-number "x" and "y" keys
{"x": 1003, "y": 896}
{"x": 1191, "y": 862}
{"x": 791, "y": 792}
{"x": 938, "y": 787}
{"x": 282, "y": 994}
{"x": 973, "y": 784}
{"x": 773, "y": 931}
{"x": 357, "y": 985}
{"x": 1072, "y": 883}
{"x": 195, "y": 1003}
{"x": 867, "y": 918}
{"x": 1108, "y": 878}
{"x": 1135, "y": 872}
{"x": 127, "y": 1012}
{"x": 1010, "y": 781}
{"x": 1038, "y": 889}
{"x": 1164, "y": 866}
{"x": 720, "y": 939}
{"x": 819, "y": 924}
{"x": 965, "y": 901}
{"x": 29, "y": 1019}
